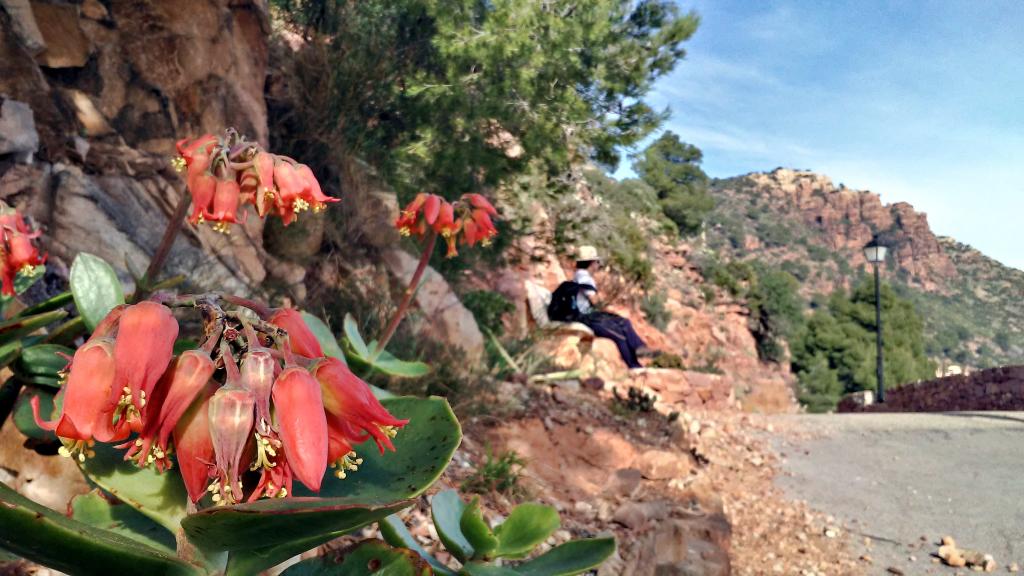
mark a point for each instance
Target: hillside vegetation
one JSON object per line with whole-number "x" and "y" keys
{"x": 804, "y": 225}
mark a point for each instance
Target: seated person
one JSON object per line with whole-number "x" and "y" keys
{"x": 605, "y": 324}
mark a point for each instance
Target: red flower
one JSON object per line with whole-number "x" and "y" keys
{"x": 301, "y": 338}
{"x": 410, "y": 222}
{"x": 194, "y": 445}
{"x": 86, "y": 414}
{"x": 302, "y": 424}
{"x": 16, "y": 249}
{"x": 203, "y": 188}
{"x": 258, "y": 371}
{"x": 230, "y": 415}
{"x": 174, "y": 394}
{"x": 245, "y": 174}
{"x": 145, "y": 339}
{"x": 351, "y": 405}
{"x": 226, "y": 198}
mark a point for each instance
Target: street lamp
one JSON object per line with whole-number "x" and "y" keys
{"x": 874, "y": 252}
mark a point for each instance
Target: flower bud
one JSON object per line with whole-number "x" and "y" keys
{"x": 302, "y": 424}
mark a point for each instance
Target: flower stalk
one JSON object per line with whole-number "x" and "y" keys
{"x": 410, "y": 291}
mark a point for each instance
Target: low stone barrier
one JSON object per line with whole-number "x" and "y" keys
{"x": 991, "y": 389}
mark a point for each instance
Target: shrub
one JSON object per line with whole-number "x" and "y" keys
{"x": 488, "y": 308}
{"x": 497, "y": 474}
{"x": 653, "y": 307}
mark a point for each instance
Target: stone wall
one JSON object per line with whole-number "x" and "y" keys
{"x": 992, "y": 389}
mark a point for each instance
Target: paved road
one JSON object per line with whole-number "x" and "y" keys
{"x": 897, "y": 477}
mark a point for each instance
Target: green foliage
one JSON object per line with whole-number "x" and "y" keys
{"x": 472, "y": 541}
{"x": 836, "y": 352}
{"x": 668, "y": 360}
{"x": 488, "y": 309}
{"x": 368, "y": 558}
{"x": 672, "y": 169}
{"x": 497, "y": 474}
{"x": 439, "y": 94}
{"x": 776, "y": 311}
{"x": 653, "y": 307}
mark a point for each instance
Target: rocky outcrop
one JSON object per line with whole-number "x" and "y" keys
{"x": 92, "y": 97}
{"x": 844, "y": 220}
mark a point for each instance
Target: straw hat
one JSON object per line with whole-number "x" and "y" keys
{"x": 587, "y": 254}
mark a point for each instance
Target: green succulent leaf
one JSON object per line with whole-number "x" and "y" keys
{"x": 268, "y": 532}
{"x": 42, "y": 360}
{"x": 447, "y": 508}
{"x": 324, "y": 336}
{"x": 58, "y": 301}
{"x": 476, "y": 530}
{"x": 95, "y": 288}
{"x": 355, "y": 339}
{"x": 388, "y": 364}
{"x": 95, "y": 510}
{"x": 478, "y": 569}
{"x": 160, "y": 497}
{"x": 571, "y": 558}
{"x": 15, "y": 328}
{"x": 394, "y": 532}
{"x": 41, "y": 535}
{"x": 368, "y": 558}
{"x": 527, "y": 526}
{"x": 66, "y": 333}
{"x": 9, "y": 352}
{"x": 23, "y": 418}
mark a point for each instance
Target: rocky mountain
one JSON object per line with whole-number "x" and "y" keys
{"x": 814, "y": 229}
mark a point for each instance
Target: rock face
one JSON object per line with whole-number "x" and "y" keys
{"x": 99, "y": 92}
{"x": 445, "y": 318}
{"x": 849, "y": 218}
{"x": 844, "y": 220}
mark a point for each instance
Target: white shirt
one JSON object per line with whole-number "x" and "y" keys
{"x": 582, "y": 297}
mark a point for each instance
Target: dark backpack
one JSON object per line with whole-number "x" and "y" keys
{"x": 563, "y": 306}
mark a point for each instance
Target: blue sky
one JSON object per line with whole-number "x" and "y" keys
{"x": 919, "y": 101}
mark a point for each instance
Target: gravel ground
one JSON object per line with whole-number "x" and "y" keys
{"x": 899, "y": 482}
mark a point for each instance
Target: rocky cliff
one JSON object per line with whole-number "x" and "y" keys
{"x": 92, "y": 97}
{"x": 815, "y": 230}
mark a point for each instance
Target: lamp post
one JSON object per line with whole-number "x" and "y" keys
{"x": 875, "y": 254}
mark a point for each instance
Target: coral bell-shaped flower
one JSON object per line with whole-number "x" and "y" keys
{"x": 194, "y": 445}
{"x": 350, "y": 404}
{"x": 300, "y": 337}
{"x": 17, "y": 252}
{"x": 302, "y": 424}
{"x": 448, "y": 227}
{"x": 264, "y": 198}
{"x": 86, "y": 413}
{"x": 143, "y": 349}
{"x": 226, "y": 198}
{"x": 175, "y": 393}
{"x": 231, "y": 420}
{"x": 258, "y": 371}
{"x": 410, "y": 222}
{"x": 203, "y": 188}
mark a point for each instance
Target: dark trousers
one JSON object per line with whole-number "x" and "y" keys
{"x": 618, "y": 330}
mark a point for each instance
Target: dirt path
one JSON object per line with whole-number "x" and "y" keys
{"x": 896, "y": 478}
